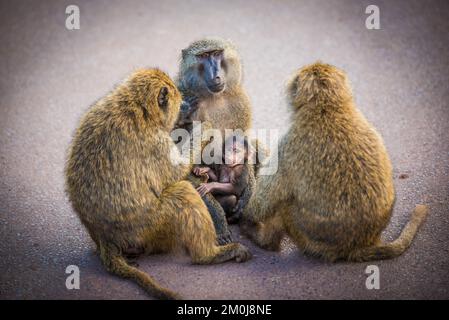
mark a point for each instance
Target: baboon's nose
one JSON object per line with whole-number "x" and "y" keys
{"x": 217, "y": 80}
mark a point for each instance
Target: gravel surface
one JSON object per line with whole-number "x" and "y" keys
{"x": 50, "y": 75}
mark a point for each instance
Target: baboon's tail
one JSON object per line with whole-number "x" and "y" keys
{"x": 117, "y": 264}
{"x": 398, "y": 246}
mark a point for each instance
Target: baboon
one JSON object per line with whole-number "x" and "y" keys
{"x": 227, "y": 181}
{"x": 209, "y": 80}
{"x": 125, "y": 181}
{"x": 333, "y": 192}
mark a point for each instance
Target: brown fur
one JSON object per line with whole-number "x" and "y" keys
{"x": 333, "y": 193}
{"x": 229, "y": 109}
{"x": 126, "y": 189}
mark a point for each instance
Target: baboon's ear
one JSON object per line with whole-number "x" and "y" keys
{"x": 184, "y": 53}
{"x": 162, "y": 98}
{"x": 293, "y": 87}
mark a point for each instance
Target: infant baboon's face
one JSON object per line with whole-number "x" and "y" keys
{"x": 235, "y": 151}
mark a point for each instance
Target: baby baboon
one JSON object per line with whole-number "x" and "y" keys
{"x": 227, "y": 181}
{"x": 210, "y": 82}
{"x": 125, "y": 183}
{"x": 333, "y": 192}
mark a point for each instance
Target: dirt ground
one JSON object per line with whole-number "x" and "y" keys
{"x": 50, "y": 75}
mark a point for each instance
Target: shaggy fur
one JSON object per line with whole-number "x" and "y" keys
{"x": 333, "y": 193}
{"x": 125, "y": 187}
{"x": 229, "y": 109}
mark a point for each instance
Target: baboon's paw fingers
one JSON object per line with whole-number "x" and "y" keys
{"x": 243, "y": 254}
{"x": 224, "y": 239}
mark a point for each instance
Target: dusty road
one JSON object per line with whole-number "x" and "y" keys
{"x": 50, "y": 75}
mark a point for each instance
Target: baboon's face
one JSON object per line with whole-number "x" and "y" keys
{"x": 211, "y": 69}
{"x": 235, "y": 151}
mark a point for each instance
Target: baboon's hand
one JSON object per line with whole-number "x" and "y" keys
{"x": 188, "y": 108}
{"x": 243, "y": 254}
{"x": 238, "y": 209}
{"x": 199, "y": 171}
{"x": 204, "y": 189}
{"x": 225, "y": 238}
{"x": 192, "y": 104}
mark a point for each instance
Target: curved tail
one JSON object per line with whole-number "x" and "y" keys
{"x": 117, "y": 264}
{"x": 398, "y": 246}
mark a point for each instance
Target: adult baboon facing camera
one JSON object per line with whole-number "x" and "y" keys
{"x": 333, "y": 193}
{"x": 209, "y": 80}
{"x": 127, "y": 188}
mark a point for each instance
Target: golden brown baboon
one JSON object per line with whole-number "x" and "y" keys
{"x": 210, "y": 82}
{"x": 124, "y": 181}
{"x": 333, "y": 192}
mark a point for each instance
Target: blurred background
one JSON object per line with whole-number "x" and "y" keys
{"x": 50, "y": 75}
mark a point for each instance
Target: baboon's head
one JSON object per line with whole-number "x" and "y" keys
{"x": 236, "y": 150}
{"x": 209, "y": 66}
{"x": 157, "y": 96}
{"x": 318, "y": 84}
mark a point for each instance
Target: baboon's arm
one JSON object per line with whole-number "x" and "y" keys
{"x": 222, "y": 188}
{"x": 247, "y": 191}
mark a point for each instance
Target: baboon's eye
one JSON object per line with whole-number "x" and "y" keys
{"x": 203, "y": 55}
{"x": 162, "y": 98}
{"x": 217, "y": 53}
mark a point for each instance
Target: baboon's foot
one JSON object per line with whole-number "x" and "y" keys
{"x": 270, "y": 246}
{"x": 242, "y": 253}
{"x": 248, "y": 228}
{"x": 224, "y": 238}
{"x": 266, "y": 236}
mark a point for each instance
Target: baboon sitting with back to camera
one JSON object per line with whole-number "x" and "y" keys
{"x": 210, "y": 83}
{"x": 124, "y": 179}
{"x": 333, "y": 192}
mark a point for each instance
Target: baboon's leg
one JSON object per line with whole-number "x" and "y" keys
{"x": 268, "y": 234}
{"x": 261, "y": 152}
{"x": 267, "y": 200}
{"x": 247, "y": 192}
{"x": 217, "y": 214}
{"x": 315, "y": 248}
{"x": 310, "y": 246}
{"x": 194, "y": 227}
{"x": 227, "y": 203}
